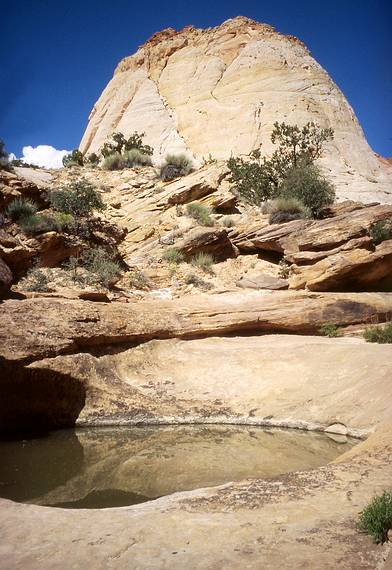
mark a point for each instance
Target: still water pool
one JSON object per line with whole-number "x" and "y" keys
{"x": 111, "y": 467}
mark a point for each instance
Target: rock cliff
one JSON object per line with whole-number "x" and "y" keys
{"x": 219, "y": 91}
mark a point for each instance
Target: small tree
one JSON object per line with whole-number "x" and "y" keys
{"x": 119, "y": 144}
{"x": 4, "y": 159}
{"x": 258, "y": 179}
{"x": 79, "y": 198}
{"x": 75, "y": 158}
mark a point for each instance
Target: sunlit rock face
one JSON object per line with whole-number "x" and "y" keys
{"x": 219, "y": 91}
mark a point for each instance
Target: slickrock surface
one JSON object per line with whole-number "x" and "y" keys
{"x": 218, "y": 91}
{"x": 300, "y": 520}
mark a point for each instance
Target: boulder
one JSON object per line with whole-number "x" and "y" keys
{"x": 262, "y": 281}
{"x": 207, "y": 240}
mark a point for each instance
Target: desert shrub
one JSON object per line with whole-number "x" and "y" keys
{"x": 381, "y": 231}
{"x": 36, "y": 280}
{"x": 134, "y": 157}
{"x": 376, "y": 517}
{"x": 258, "y": 179}
{"x": 4, "y": 158}
{"x": 79, "y": 198}
{"x": 284, "y": 269}
{"x": 193, "y": 279}
{"x": 20, "y": 208}
{"x": 113, "y": 161}
{"x": 75, "y": 158}
{"x": 330, "y": 330}
{"x": 101, "y": 265}
{"x": 381, "y": 335}
{"x": 202, "y": 260}
{"x": 173, "y": 255}
{"x": 286, "y": 209}
{"x": 92, "y": 159}
{"x": 175, "y": 165}
{"x": 200, "y": 213}
{"x": 40, "y": 223}
{"x": 305, "y": 182}
{"x": 119, "y": 144}
{"x": 138, "y": 280}
{"x": 228, "y": 222}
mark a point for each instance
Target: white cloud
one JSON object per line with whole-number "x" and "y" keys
{"x": 11, "y": 156}
{"x": 44, "y": 155}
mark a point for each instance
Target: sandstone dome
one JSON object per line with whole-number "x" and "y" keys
{"x": 218, "y": 92}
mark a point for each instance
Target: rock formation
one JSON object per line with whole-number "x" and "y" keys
{"x": 218, "y": 92}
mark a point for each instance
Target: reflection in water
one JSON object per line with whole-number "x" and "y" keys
{"x": 107, "y": 467}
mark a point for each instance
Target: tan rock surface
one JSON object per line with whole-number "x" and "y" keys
{"x": 40, "y": 327}
{"x": 219, "y": 91}
{"x": 300, "y": 520}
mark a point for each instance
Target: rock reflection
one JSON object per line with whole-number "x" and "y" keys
{"x": 106, "y": 467}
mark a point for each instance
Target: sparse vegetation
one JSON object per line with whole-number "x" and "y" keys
{"x": 193, "y": 279}
{"x": 330, "y": 330}
{"x": 381, "y": 231}
{"x": 40, "y": 223}
{"x": 284, "y": 269}
{"x": 92, "y": 159}
{"x": 75, "y": 158}
{"x": 138, "y": 280}
{"x": 376, "y": 518}
{"x": 173, "y": 255}
{"x": 36, "y": 280}
{"x": 20, "y": 209}
{"x": 381, "y": 335}
{"x": 118, "y": 144}
{"x": 202, "y": 260}
{"x": 228, "y": 222}
{"x": 200, "y": 213}
{"x": 175, "y": 165}
{"x": 132, "y": 158}
{"x": 100, "y": 264}
{"x": 79, "y": 198}
{"x": 4, "y": 158}
{"x": 286, "y": 209}
{"x": 258, "y": 179}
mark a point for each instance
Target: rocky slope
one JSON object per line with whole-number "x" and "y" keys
{"x": 218, "y": 92}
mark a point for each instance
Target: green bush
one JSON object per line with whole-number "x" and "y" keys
{"x": 75, "y": 158}
{"x": 258, "y": 179}
{"x": 200, "y": 213}
{"x": 92, "y": 159}
{"x": 20, "y": 208}
{"x": 381, "y": 231}
{"x": 41, "y": 223}
{"x": 305, "y": 182}
{"x": 132, "y": 158}
{"x": 4, "y": 158}
{"x": 173, "y": 255}
{"x": 101, "y": 265}
{"x": 119, "y": 144}
{"x": 175, "y": 166}
{"x": 202, "y": 260}
{"x": 330, "y": 330}
{"x": 376, "y": 518}
{"x": 284, "y": 210}
{"x": 381, "y": 335}
{"x": 79, "y": 198}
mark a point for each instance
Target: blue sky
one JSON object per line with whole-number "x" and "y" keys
{"x": 58, "y": 56}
